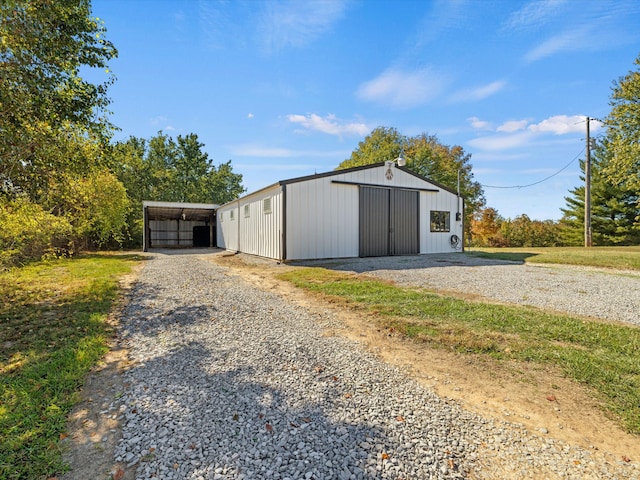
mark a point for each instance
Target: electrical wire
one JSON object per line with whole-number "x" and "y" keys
{"x": 539, "y": 181}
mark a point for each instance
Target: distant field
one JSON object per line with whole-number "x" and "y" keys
{"x": 627, "y": 258}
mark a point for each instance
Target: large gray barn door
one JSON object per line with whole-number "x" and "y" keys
{"x": 388, "y": 222}
{"x": 374, "y": 222}
{"x": 404, "y": 223}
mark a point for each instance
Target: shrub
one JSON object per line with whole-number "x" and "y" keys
{"x": 27, "y": 232}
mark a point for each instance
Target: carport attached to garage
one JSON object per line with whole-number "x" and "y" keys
{"x": 178, "y": 225}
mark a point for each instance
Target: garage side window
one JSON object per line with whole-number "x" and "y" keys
{"x": 440, "y": 221}
{"x": 221, "y": 216}
{"x": 232, "y": 214}
{"x": 266, "y": 205}
{"x": 247, "y": 210}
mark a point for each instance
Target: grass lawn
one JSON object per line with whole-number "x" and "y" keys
{"x": 627, "y": 258}
{"x": 602, "y": 356}
{"x": 53, "y": 330}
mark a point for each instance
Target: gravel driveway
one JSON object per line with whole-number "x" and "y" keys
{"x": 600, "y": 293}
{"x": 232, "y": 382}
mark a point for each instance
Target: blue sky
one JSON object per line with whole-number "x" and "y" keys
{"x": 289, "y": 88}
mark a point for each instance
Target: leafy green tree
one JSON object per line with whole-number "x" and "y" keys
{"x": 96, "y": 206}
{"x": 382, "y": 144}
{"x": 524, "y": 232}
{"x": 44, "y": 100}
{"x": 623, "y": 132}
{"x": 614, "y": 207}
{"x": 426, "y": 156}
{"x": 173, "y": 171}
{"x": 485, "y": 228}
{"x": 442, "y": 163}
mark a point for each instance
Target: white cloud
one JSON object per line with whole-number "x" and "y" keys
{"x": 502, "y": 142}
{"x": 402, "y": 89}
{"x": 158, "y": 120}
{"x": 478, "y": 93}
{"x": 513, "y": 126}
{"x": 519, "y": 133}
{"x": 292, "y": 23}
{"x": 560, "y": 125}
{"x": 329, "y": 125}
{"x": 534, "y": 14}
{"x": 250, "y": 115}
{"x": 569, "y": 41}
{"x": 479, "y": 124}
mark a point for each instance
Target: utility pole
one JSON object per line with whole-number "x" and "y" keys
{"x": 587, "y": 192}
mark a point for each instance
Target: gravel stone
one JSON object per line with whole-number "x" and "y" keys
{"x": 232, "y": 382}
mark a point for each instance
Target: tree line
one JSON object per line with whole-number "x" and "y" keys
{"x": 65, "y": 185}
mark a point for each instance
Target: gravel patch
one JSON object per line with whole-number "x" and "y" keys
{"x": 599, "y": 293}
{"x": 231, "y": 382}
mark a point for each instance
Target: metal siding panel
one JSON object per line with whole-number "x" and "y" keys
{"x": 320, "y": 216}
{"x": 374, "y": 222}
{"x": 404, "y": 222}
{"x": 260, "y": 232}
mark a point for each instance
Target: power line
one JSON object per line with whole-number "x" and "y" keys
{"x": 540, "y": 181}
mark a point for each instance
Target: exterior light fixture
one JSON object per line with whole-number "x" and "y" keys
{"x": 401, "y": 161}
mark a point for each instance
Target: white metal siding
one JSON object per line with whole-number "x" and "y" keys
{"x": 227, "y": 229}
{"x": 439, "y": 242}
{"x": 322, "y": 219}
{"x": 258, "y": 233}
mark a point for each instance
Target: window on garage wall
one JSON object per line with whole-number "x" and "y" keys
{"x": 247, "y": 210}
{"x": 440, "y": 221}
{"x": 266, "y": 205}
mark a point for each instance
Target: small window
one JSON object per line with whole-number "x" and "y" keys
{"x": 221, "y": 216}
{"x": 247, "y": 210}
{"x": 440, "y": 221}
{"x": 232, "y": 214}
{"x": 266, "y": 205}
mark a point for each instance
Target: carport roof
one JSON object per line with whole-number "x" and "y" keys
{"x": 179, "y": 211}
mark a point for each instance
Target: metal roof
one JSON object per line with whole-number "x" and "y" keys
{"x": 179, "y": 211}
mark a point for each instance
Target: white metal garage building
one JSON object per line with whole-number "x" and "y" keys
{"x": 376, "y": 210}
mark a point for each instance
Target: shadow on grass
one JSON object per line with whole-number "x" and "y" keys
{"x": 413, "y": 262}
{"x": 519, "y": 257}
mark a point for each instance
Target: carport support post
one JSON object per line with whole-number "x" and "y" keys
{"x": 145, "y": 227}
{"x": 212, "y": 217}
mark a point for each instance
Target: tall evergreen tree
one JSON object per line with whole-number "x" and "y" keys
{"x": 614, "y": 208}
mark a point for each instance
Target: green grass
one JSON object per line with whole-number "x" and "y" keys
{"x": 627, "y": 258}
{"x": 603, "y": 356}
{"x": 53, "y": 330}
